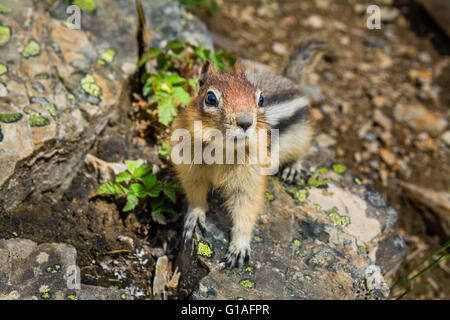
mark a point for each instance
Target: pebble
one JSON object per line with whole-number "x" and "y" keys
{"x": 446, "y": 137}
{"x": 419, "y": 118}
{"x": 382, "y": 120}
{"x": 387, "y": 156}
{"x": 280, "y": 48}
{"x": 315, "y": 22}
{"x": 325, "y": 141}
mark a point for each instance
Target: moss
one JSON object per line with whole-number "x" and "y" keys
{"x": 297, "y": 242}
{"x": 108, "y": 55}
{"x": 5, "y": 35}
{"x": 10, "y": 117}
{"x": 246, "y": 283}
{"x": 3, "y": 69}
{"x": 204, "y": 249}
{"x": 36, "y": 119}
{"x": 341, "y": 221}
{"x": 270, "y": 196}
{"x": 339, "y": 168}
{"x": 257, "y": 239}
{"x": 318, "y": 183}
{"x": 88, "y": 85}
{"x": 85, "y": 5}
{"x": 32, "y": 49}
{"x": 5, "y": 8}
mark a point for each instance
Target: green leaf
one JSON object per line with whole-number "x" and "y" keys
{"x": 159, "y": 217}
{"x": 175, "y": 79}
{"x": 155, "y": 190}
{"x": 139, "y": 190}
{"x": 217, "y": 61}
{"x": 123, "y": 177}
{"x": 148, "y": 180}
{"x": 170, "y": 193}
{"x": 132, "y": 202}
{"x": 181, "y": 95}
{"x": 193, "y": 83}
{"x": 167, "y": 111}
{"x": 133, "y": 165}
{"x": 110, "y": 189}
{"x": 141, "y": 171}
{"x": 201, "y": 51}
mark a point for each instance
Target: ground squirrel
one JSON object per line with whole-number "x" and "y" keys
{"x": 244, "y": 103}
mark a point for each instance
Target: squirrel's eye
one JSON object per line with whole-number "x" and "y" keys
{"x": 211, "y": 99}
{"x": 261, "y": 101}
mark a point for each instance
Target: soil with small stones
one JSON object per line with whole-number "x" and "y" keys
{"x": 365, "y": 71}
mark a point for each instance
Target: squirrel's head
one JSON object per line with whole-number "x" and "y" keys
{"x": 228, "y": 102}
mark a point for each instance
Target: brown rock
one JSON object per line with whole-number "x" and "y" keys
{"x": 388, "y": 156}
{"x": 419, "y": 118}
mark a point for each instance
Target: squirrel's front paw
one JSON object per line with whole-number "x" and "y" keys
{"x": 194, "y": 218}
{"x": 236, "y": 256}
{"x": 292, "y": 172}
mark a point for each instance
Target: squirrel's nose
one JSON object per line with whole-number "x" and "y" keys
{"x": 244, "y": 121}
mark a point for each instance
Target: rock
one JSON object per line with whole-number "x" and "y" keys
{"x": 382, "y": 120}
{"x": 314, "y": 21}
{"x": 279, "y": 48}
{"x": 436, "y": 201}
{"x": 419, "y": 118}
{"x": 388, "y": 156}
{"x": 389, "y": 14}
{"x": 160, "y": 280}
{"x": 60, "y": 86}
{"x": 446, "y": 137}
{"x": 440, "y": 11}
{"x": 325, "y": 141}
{"x": 45, "y": 272}
{"x": 328, "y": 237}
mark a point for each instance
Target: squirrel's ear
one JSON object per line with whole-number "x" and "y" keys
{"x": 239, "y": 68}
{"x": 207, "y": 69}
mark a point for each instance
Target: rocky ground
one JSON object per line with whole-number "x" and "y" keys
{"x": 384, "y": 102}
{"x": 84, "y": 134}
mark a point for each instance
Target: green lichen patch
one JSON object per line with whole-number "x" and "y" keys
{"x": 297, "y": 243}
{"x": 32, "y": 49}
{"x": 339, "y": 168}
{"x": 358, "y": 181}
{"x": 52, "y": 110}
{"x": 246, "y": 283}
{"x": 123, "y": 296}
{"x": 322, "y": 170}
{"x": 204, "y": 249}
{"x": 68, "y": 25}
{"x": 318, "y": 183}
{"x": 46, "y": 295}
{"x": 10, "y": 117}
{"x": 361, "y": 249}
{"x": 307, "y": 277}
{"x": 57, "y": 267}
{"x": 299, "y": 194}
{"x": 42, "y": 76}
{"x": 85, "y": 5}
{"x": 5, "y": 8}
{"x": 341, "y": 221}
{"x": 270, "y": 196}
{"x": 258, "y": 239}
{"x": 36, "y": 119}
{"x": 71, "y": 297}
{"x": 49, "y": 269}
{"x": 3, "y": 69}
{"x": 5, "y": 35}
{"x": 89, "y": 86}
{"x": 108, "y": 56}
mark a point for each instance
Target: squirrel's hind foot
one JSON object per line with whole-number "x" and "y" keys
{"x": 293, "y": 172}
{"x": 193, "y": 220}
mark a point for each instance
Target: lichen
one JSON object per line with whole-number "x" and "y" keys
{"x": 361, "y": 249}
{"x": 108, "y": 55}
{"x": 341, "y": 221}
{"x": 5, "y": 8}
{"x": 322, "y": 170}
{"x": 248, "y": 269}
{"x": 270, "y": 196}
{"x": 46, "y": 295}
{"x": 358, "y": 181}
{"x": 52, "y": 110}
{"x": 246, "y": 283}
{"x": 297, "y": 242}
{"x": 123, "y": 296}
{"x": 68, "y": 25}
{"x": 10, "y": 117}
{"x": 3, "y": 69}
{"x": 318, "y": 183}
{"x": 301, "y": 195}
{"x": 85, "y": 5}
{"x": 42, "y": 76}
{"x": 5, "y": 35}
{"x": 204, "y": 249}
{"x": 89, "y": 86}
{"x": 36, "y": 119}
{"x": 32, "y": 49}
{"x": 71, "y": 297}
{"x": 308, "y": 277}
{"x": 57, "y": 267}
{"x": 339, "y": 168}
{"x": 257, "y": 239}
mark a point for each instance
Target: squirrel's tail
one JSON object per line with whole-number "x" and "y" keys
{"x": 304, "y": 58}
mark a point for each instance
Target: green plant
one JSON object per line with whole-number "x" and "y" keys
{"x": 404, "y": 285}
{"x": 173, "y": 83}
{"x": 207, "y": 5}
{"x": 139, "y": 183}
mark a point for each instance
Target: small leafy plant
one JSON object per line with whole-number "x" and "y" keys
{"x": 171, "y": 86}
{"x": 139, "y": 183}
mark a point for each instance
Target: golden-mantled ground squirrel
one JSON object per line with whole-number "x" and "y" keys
{"x": 249, "y": 102}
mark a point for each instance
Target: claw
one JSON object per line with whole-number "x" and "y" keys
{"x": 293, "y": 172}
{"x": 192, "y": 222}
{"x": 236, "y": 259}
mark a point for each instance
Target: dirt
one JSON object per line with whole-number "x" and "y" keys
{"x": 361, "y": 69}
